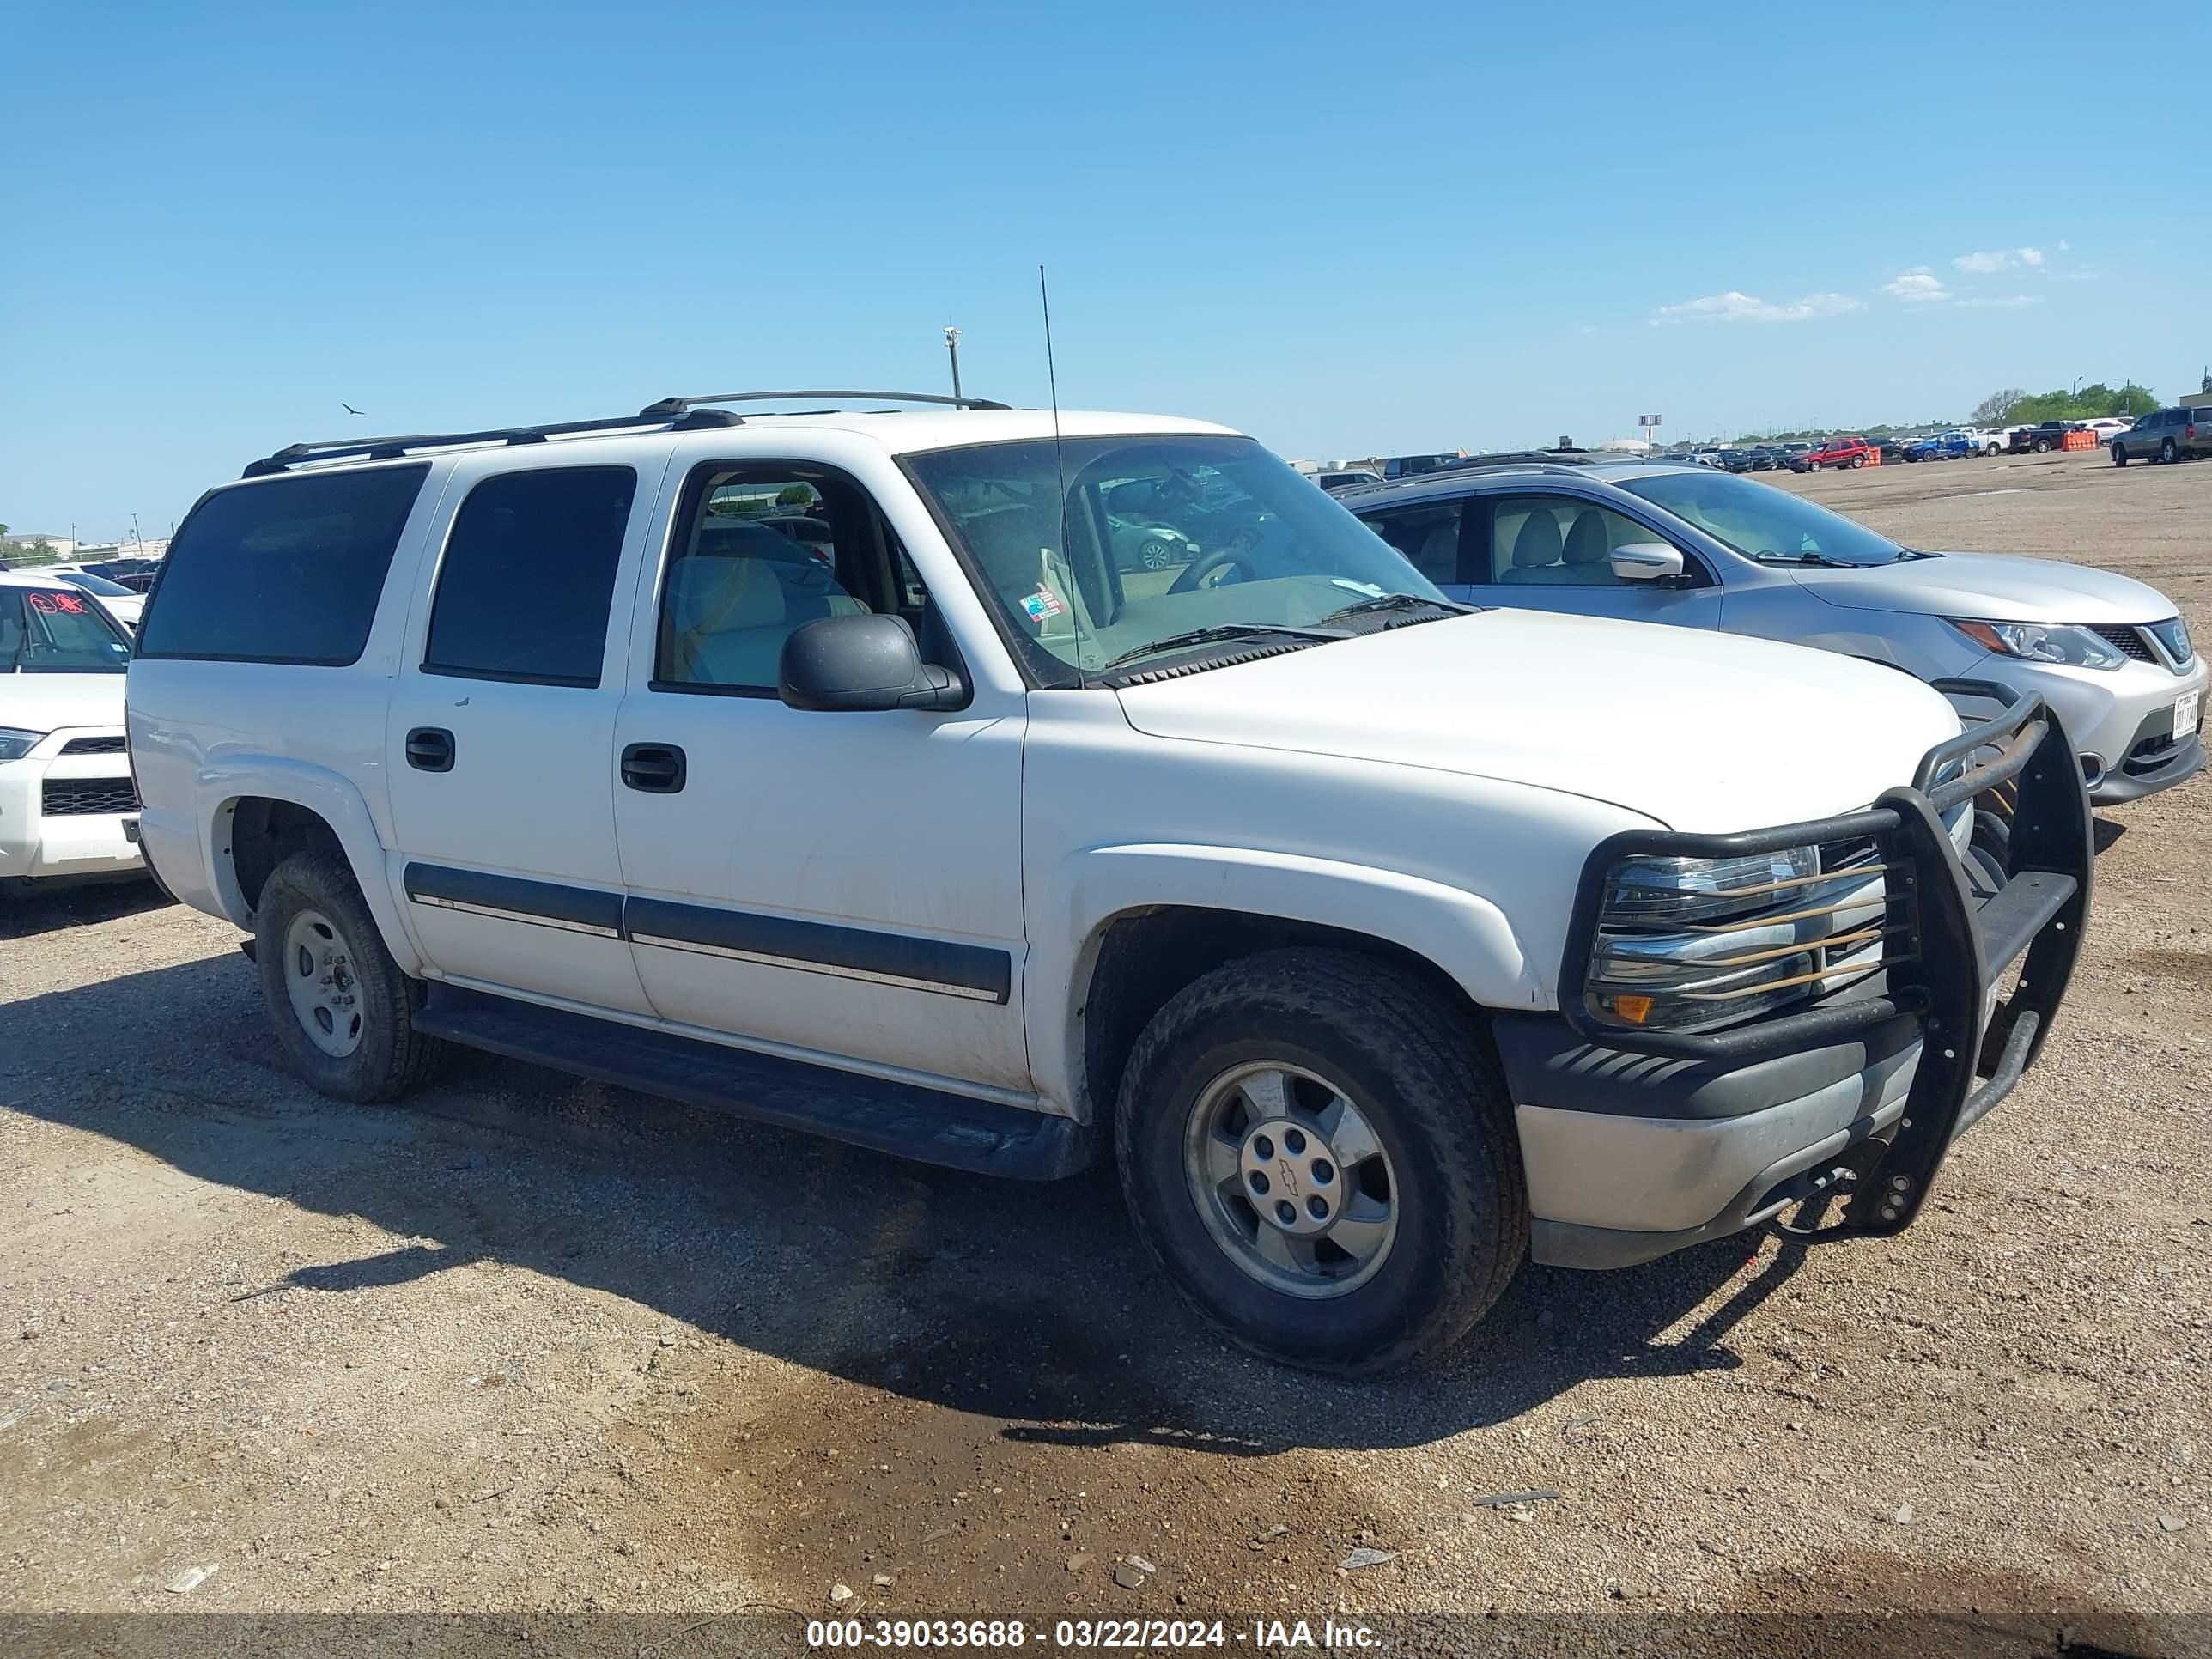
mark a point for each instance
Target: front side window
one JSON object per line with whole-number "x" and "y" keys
{"x": 1768, "y": 524}
{"x": 286, "y": 569}
{"x": 1558, "y": 541}
{"x": 528, "y": 573}
{"x": 761, "y": 552}
{"x": 1151, "y": 538}
{"x": 57, "y": 631}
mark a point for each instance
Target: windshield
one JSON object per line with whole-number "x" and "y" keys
{"x": 1155, "y": 537}
{"x": 1762, "y": 522}
{"x": 57, "y": 631}
{"x": 92, "y": 584}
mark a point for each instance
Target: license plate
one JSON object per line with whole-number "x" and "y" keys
{"x": 2184, "y": 715}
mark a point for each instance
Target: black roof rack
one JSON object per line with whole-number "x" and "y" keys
{"x": 681, "y": 405}
{"x": 391, "y": 449}
{"x": 677, "y": 414}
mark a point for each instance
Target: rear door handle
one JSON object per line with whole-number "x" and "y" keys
{"x": 430, "y": 748}
{"x": 657, "y": 768}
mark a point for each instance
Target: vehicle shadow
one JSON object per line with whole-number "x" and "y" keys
{"x": 25, "y": 913}
{"x": 1033, "y": 1304}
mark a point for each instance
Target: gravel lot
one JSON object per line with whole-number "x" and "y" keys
{"x": 531, "y": 1344}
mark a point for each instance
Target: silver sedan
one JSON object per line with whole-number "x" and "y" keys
{"x": 1698, "y": 548}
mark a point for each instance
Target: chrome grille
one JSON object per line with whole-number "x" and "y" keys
{"x": 2174, "y": 635}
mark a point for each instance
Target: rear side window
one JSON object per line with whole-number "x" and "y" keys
{"x": 529, "y": 570}
{"x": 286, "y": 571}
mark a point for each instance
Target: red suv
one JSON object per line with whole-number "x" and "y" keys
{"x": 1841, "y": 452}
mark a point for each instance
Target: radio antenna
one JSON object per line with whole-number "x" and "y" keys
{"x": 1059, "y": 467}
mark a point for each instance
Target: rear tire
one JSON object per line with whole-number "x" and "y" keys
{"x": 341, "y": 1006}
{"x": 1858, "y": 460}
{"x": 2165, "y": 451}
{"x": 2042, "y": 445}
{"x": 1256, "y": 1093}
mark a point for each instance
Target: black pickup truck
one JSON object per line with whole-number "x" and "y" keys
{"x": 2037, "y": 439}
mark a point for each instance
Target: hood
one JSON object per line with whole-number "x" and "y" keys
{"x": 1992, "y": 588}
{"x": 1702, "y": 731}
{"x": 47, "y": 702}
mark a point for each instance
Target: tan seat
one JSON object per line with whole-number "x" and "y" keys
{"x": 1589, "y": 552}
{"x": 727, "y": 618}
{"x": 1536, "y": 550}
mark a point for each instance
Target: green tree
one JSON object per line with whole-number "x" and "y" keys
{"x": 22, "y": 554}
{"x": 795, "y": 494}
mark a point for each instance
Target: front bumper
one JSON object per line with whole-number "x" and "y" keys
{"x": 1637, "y": 1142}
{"x": 2121, "y": 722}
{"x": 41, "y": 845}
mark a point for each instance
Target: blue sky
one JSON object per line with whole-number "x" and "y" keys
{"x": 1348, "y": 230}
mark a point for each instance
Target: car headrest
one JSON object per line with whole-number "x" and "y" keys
{"x": 1586, "y": 538}
{"x": 1538, "y": 543}
{"x": 1440, "y": 551}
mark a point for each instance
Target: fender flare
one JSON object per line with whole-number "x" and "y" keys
{"x": 332, "y": 798}
{"x": 1464, "y": 934}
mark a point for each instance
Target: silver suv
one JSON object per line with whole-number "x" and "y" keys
{"x": 1700, "y": 548}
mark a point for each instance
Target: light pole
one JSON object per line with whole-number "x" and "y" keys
{"x": 952, "y": 349}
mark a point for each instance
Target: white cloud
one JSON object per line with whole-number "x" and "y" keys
{"x": 2003, "y": 302}
{"x": 1916, "y": 285}
{"x": 1585, "y": 328}
{"x": 1734, "y": 307}
{"x": 2063, "y": 245}
{"x": 1983, "y": 264}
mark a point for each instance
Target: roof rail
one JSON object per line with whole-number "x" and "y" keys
{"x": 681, "y": 405}
{"x": 677, "y": 414}
{"x": 391, "y": 449}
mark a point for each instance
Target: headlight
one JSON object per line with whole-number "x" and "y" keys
{"x": 2059, "y": 642}
{"x": 15, "y": 743}
{"x": 1682, "y": 943}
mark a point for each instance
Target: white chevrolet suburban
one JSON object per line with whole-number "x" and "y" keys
{"x": 870, "y": 772}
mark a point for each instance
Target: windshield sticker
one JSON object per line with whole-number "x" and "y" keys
{"x": 1041, "y": 604}
{"x": 1368, "y": 588}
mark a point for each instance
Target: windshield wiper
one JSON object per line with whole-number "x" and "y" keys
{"x": 1821, "y": 560}
{"x": 1225, "y": 631}
{"x": 1398, "y": 602}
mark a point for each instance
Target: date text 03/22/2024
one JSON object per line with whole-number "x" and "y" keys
{"x": 1141, "y": 1634}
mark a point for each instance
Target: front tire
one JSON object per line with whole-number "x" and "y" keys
{"x": 2119, "y": 456}
{"x": 341, "y": 1006}
{"x": 1318, "y": 1150}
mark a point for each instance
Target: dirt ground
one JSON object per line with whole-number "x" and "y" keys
{"x": 531, "y": 1346}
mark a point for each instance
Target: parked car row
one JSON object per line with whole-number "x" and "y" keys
{"x": 1103, "y": 789}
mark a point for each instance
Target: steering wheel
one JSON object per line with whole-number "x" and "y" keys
{"x": 1210, "y": 564}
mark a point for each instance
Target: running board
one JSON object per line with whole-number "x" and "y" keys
{"x": 906, "y": 1121}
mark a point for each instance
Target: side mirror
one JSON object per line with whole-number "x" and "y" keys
{"x": 1647, "y": 561}
{"x": 841, "y": 663}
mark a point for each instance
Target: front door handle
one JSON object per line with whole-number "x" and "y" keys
{"x": 655, "y": 768}
{"x": 430, "y": 748}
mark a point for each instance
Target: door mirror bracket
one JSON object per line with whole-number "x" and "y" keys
{"x": 861, "y": 664}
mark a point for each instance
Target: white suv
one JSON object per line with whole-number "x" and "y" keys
{"x": 836, "y": 768}
{"x": 66, "y": 807}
